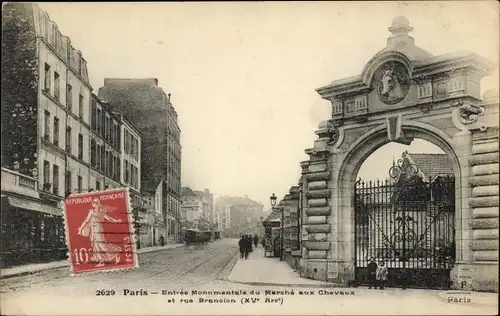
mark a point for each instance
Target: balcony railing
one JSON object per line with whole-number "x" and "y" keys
{"x": 16, "y": 182}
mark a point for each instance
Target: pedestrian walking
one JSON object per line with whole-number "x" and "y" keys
{"x": 250, "y": 243}
{"x": 247, "y": 245}
{"x": 382, "y": 274}
{"x": 256, "y": 240}
{"x": 372, "y": 273}
{"x": 242, "y": 245}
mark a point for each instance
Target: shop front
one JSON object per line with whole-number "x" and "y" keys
{"x": 31, "y": 232}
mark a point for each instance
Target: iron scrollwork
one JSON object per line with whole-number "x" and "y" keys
{"x": 409, "y": 224}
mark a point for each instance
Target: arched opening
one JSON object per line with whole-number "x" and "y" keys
{"x": 403, "y": 203}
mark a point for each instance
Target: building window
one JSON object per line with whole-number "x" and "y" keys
{"x": 126, "y": 171}
{"x": 79, "y": 64}
{"x": 56, "y": 131}
{"x": 67, "y": 181}
{"x": 106, "y": 162}
{"x": 46, "y": 174}
{"x": 102, "y": 159}
{"x": 93, "y": 154}
{"x": 93, "y": 113}
{"x": 69, "y": 96}
{"x": 68, "y": 51}
{"x": 98, "y": 157}
{"x": 127, "y": 145}
{"x": 80, "y": 180}
{"x": 106, "y": 128}
{"x": 53, "y": 39}
{"x": 68, "y": 139}
{"x": 113, "y": 133}
{"x": 80, "y": 106}
{"x": 55, "y": 179}
{"x": 97, "y": 185}
{"x": 47, "y": 125}
{"x": 132, "y": 145}
{"x": 46, "y": 86}
{"x": 57, "y": 82}
{"x": 99, "y": 128}
{"x": 118, "y": 170}
{"x": 80, "y": 146}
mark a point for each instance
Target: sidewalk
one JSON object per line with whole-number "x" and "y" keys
{"x": 37, "y": 267}
{"x": 259, "y": 270}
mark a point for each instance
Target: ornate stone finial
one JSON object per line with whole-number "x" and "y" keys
{"x": 400, "y": 28}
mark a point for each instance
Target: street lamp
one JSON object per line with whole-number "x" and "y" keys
{"x": 273, "y": 205}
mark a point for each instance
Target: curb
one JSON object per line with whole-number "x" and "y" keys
{"x": 13, "y": 275}
{"x": 66, "y": 264}
{"x": 300, "y": 285}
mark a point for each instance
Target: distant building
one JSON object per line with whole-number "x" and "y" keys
{"x": 192, "y": 205}
{"x": 208, "y": 207}
{"x": 150, "y": 110}
{"x": 238, "y": 215}
{"x": 153, "y": 225}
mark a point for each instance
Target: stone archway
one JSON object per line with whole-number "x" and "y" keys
{"x": 437, "y": 100}
{"x": 348, "y": 165}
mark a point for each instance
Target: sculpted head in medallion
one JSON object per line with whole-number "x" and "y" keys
{"x": 394, "y": 83}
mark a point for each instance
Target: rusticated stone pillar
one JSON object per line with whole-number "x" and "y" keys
{"x": 317, "y": 194}
{"x": 484, "y": 206}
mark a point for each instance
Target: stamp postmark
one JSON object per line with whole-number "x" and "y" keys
{"x": 99, "y": 230}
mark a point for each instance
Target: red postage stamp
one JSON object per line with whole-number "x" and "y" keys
{"x": 99, "y": 231}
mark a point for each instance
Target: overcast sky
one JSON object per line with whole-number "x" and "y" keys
{"x": 243, "y": 75}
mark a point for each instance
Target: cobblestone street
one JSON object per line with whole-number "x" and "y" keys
{"x": 176, "y": 268}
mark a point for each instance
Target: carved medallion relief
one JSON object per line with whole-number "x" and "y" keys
{"x": 393, "y": 82}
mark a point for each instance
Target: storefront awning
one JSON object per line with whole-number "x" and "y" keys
{"x": 27, "y": 204}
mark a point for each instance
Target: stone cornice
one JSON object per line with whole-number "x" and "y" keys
{"x": 452, "y": 62}
{"x": 419, "y": 70}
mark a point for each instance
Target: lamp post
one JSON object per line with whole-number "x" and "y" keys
{"x": 273, "y": 205}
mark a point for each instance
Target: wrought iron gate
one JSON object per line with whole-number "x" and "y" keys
{"x": 407, "y": 222}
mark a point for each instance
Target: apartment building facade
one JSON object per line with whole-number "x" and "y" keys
{"x": 65, "y": 91}
{"x": 105, "y": 147}
{"x": 45, "y": 130}
{"x": 131, "y": 159}
{"x": 57, "y": 137}
{"x": 150, "y": 109}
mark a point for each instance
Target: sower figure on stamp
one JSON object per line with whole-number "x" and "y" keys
{"x": 382, "y": 274}
{"x": 372, "y": 273}
{"x": 102, "y": 250}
